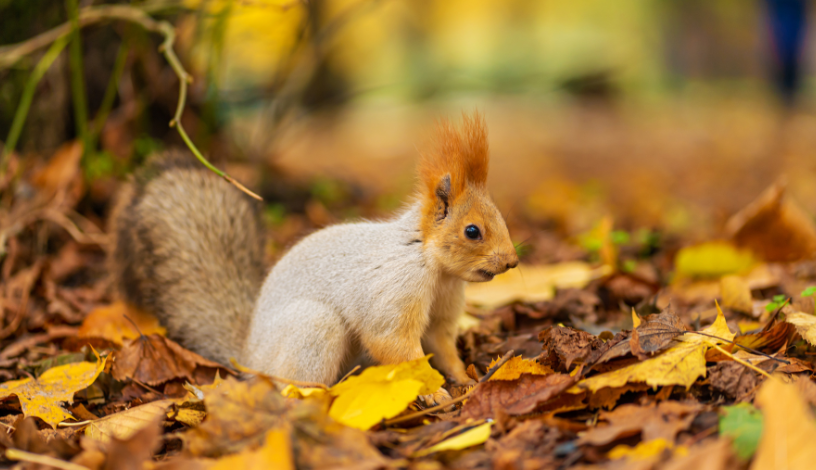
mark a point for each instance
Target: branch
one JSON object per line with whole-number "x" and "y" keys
{"x": 9, "y": 55}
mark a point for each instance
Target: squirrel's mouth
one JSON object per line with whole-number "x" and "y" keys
{"x": 487, "y": 275}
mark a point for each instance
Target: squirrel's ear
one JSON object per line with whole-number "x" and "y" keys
{"x": 443, "y": 193}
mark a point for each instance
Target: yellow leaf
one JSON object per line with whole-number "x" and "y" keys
{"x": 805, "y": 325}
{"x": 382, "y": 392}
{"x": 124, "y": 424}
{"x": 110, "y": 323}
{"x": 41, "y": 397}
{"x": 532, "y": 283}
{"x": 276, "y": 453}
{"x": 681, "y": 364}
{"x": 291, "y": 391}
{"x": 516, "y": 366}
{"x": 635, "y": 319}
{"x": 472, "y": 437}
{"x": 788, "y": 428}
{"x": 646, "y": 450}
{"x": 736, "y": 294}
{"x": 712, "y": 259}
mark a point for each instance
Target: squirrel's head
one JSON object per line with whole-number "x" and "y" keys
{"x": 460, "y": 224}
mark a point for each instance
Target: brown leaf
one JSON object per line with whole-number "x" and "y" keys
{"x": 569, "y": 344}
{"x": 134, "y": 452}
{"x": 531, "y": 442}
{"x": 712, "y": 455}
{"x": 155, "y": 359}
{"x": 652, "y": 422}
{"x": 654, "y": 334}
{"x": 515, "y": 397}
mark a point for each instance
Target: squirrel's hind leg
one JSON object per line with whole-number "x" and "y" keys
{"x": 303, "y": 340}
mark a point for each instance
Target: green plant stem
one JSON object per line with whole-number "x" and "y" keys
{"x": 10, "y": 54}
{"x": 80, "y": 100}
{"x": 28, "y": 95}
{"x": 109, "y": 98}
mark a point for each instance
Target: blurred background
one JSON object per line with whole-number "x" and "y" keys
{"x": 664, "y": 116}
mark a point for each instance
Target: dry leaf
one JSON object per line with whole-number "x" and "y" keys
{"x": 736, "y": 294}
{"x": 109, "y": 323}
{"x": 515, "y": 397}
{"x": 774, "y": 227}
{"x": 655, "y": 333}
{"x": 711, "y": 455}
{"x": 42, "y": 397}
{"x": 516, "y": 366}
{"x": 472, "y": 437}
{"x": 126, "y": 423}
{"x": 276, "y": 453}
{"x": 62, "y": 169}
{"x": 532, "y": 283}
{"x": 711, "y": 260}
{"x": 662, "y": 421}
{"x": 155, "y": 359}
{"x": 681, "y": 364}
{"x": 569, "y": 344}
{"x": 788, "y": 429}
{"x": 805, "y": 325}
{"x": 134, "y": 452}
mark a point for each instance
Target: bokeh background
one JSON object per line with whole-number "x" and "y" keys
{"x": 664, "y": 116}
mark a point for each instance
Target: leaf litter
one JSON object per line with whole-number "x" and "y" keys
{"x": 580, "y": 364}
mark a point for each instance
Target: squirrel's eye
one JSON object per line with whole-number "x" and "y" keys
{"x": 472, "y": 232}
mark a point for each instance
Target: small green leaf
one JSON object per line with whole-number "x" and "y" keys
{"x": 743, "y": 423}
{"x": 779, "y": 298}
{"x": 771, "y": 307}
{"x": 619, "y": 237}
{"x": 810, "y": 291}
{"x": 629, "y": 266}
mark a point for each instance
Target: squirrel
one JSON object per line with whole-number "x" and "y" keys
{"x": 189, "y": 248}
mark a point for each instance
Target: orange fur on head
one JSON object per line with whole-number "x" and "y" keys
{"x": 462, "y": 154}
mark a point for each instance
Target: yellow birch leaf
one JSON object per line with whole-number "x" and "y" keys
{"x": 646, "y": 450}
{"x": 681, "y": 364}
{"x": 516, "y": 366}
{"x": 276, "y": 453}
{"x": 472, "y": 437}
{"x": 382, "y": 392}
{"x": 736, "y": 294}
{"x": 110, "y": 323}
{"x": 532, "y": 283}
{"x": 805, "y": 325}
{"x": 42, "y": 397}
{"x": 124, "y": 424}
{"x": 635, "y": 319}
{"x": 788, "y": 429}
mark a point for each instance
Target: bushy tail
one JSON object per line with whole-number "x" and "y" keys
{"x": 189, "y": 248}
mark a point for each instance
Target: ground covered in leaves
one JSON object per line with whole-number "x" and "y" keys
{"x": 625, "y": 350}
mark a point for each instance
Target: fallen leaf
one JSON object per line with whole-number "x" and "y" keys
{"x": 134, "y": 452}
{"x": 645, "y": 450}
{"x": 569, "y": 344}
{"x": 382, "y": 392}
{"x": 532, "y": 283}
{"x": 743, "y": 424}
{"x": 736, "y": 294}
{"x": 515, "y": 397}
{"x": 155, "y": 359}
{"x": 681, "y": 364}
{"x": 126, "y": 423}
{"x": 710, "y": 455}
{"x": 472, "y": 437}
{"x": 661, "y": 421}
{"x": 712, "y": 260}
{"x": 111, "y": 323}
{"x": 774, "y": 227}
{"x": 62, "y": 169}
{"x": 788, "y": 428}
{"x": 516, "y": 366}
{"x": 805, "y": 325}
{"x": 41, "y": 397}
{"x": 655, "y": 332}
{"x": 276, "y": 453}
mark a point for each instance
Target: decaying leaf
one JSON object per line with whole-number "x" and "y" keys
{"x": 126, "y": 423}
{"x": 569, "y": 344}
{"x": 662, "y": 421}
{"x": 134, "y": 452}
{"x": 516, "y": 366}
{"x": 472, "y": 437}
{"x": 655, "y": 333}
{"x": 788, "y": 429}
{"x": 382, "y": 392}
{"x": 681, "y": 364}
{"x": 711, "y": 455}
{"x": 805, "y": 325}
{"x": 532, "y": 283}
{"x": 647, "y": 450}
{"x": 41, "y": 397}
{"x": 155, "y": 359}
{"x": 111, "y": 323}
{"x": 275, "y": 453}
{"x": 515, "y": 397}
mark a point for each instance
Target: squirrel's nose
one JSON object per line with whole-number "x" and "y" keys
{"x": 512, "y": 264}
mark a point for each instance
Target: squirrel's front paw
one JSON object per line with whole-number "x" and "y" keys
{"x": 439, "y": 397}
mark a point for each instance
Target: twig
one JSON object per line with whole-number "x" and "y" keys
{"x": 760, "y": 353}
{"x": 23, "y": 456}
{"x": 456, "y": 400}
{"x": 353, "y": 370}
{"x": 91, "y": 15}
{"x": 745, "y": 363}
{"x": 296, "y": 383}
